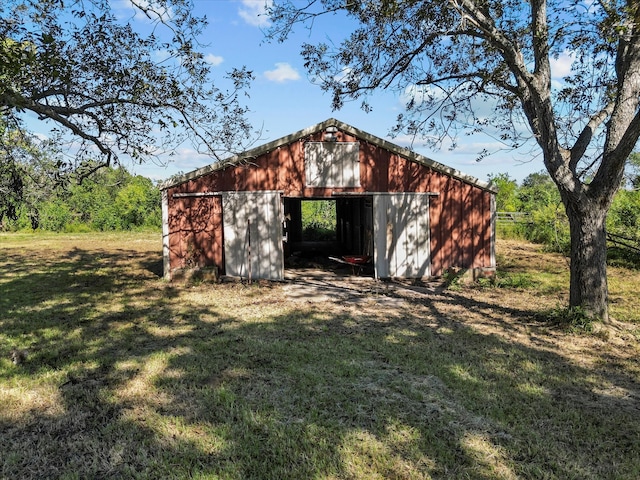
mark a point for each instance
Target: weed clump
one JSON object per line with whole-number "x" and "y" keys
{"x": 571, "y": 319}
{"x": 454, "y": 280}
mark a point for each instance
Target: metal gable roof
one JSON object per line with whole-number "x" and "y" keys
{"x": 331, "y": 122}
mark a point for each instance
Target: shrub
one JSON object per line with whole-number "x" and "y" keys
{"x": 624, "y": 215}
{"x": 551, "y": 228}
{"x": 107, "y": 218}
{"x": 55, "y": 215}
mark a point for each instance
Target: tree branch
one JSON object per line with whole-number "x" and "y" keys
{"x": 510, "y": 52}
{"x": 586, "y": 135}
{"x": 50, "y": 112}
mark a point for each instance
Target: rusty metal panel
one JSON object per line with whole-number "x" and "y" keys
{"x": 253, "y": 235}
{"x": 401, "y": 242}
{"x": 332, "y": 164}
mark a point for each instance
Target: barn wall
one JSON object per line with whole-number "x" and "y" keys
{"x": 195, "y": 232}
{"x": 460, "y": 215}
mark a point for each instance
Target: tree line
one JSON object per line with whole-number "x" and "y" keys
{"x": 39, "y": 191}
{"x": 545, "y": 219}
{"x": 111, "y": 199}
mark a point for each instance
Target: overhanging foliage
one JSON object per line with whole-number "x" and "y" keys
{"x": 118, "y": 87}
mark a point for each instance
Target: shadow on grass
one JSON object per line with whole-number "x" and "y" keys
{"x": 131, "y": 377}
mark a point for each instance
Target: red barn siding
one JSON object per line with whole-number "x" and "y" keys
{"x": 459, "y": 212}
{"x": 196, "y": 237}
{"x": 475, "y": 233}
{"x": 467, "y": 214}
{"x": 436, "y": 224}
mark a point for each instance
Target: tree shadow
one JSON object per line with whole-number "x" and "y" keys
{"x": 133, "y": 377}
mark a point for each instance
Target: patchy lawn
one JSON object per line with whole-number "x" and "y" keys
{"x": 128, "y": 376}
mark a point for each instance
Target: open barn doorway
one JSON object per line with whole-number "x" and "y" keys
{"x": 322, "y": 232}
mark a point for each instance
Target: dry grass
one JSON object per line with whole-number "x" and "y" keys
{"x": 131, "y": 377}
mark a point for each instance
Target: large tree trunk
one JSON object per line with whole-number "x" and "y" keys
{"x": 588, "y": 284}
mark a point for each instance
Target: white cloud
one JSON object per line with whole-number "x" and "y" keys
{"x": 282, "y": 73}
{"x": 254, "y": 12}
{"x": 161, "y": 55}
{"x": 561, "y": 66}
{"x": 214, "y": 60}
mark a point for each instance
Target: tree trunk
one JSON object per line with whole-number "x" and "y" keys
{"x": 588, "y": 284}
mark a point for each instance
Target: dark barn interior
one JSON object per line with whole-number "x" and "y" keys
{"x": 353, "y": 233}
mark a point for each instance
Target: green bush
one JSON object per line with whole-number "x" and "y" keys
{"x": 507, "y": 198}
{"x": 624, "y": 215}
{"x": 26, "y": 219}
{"x": 319, "y": 220}
{"x": 77, "y": 227}
{"x": 54, "y": 216}
{"x": 550, "y": 227}
{"x": 112, "y": 199}
{"x": 137, "y": 204}
{"x": 107, "y": 218}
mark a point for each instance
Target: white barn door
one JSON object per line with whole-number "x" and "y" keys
{"x": 401, "y": 242}
{"x": 253, "y": 235}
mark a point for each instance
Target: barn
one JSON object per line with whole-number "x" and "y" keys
{"x": 405, "y": 215}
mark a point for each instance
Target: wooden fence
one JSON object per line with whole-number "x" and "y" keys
{"x": 513, "y": 217}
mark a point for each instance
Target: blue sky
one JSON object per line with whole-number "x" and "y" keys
{"x": 283, "y": 100}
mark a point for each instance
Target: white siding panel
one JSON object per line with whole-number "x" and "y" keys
{"x": 401, "y": 244}
{"x": 166, "y": 251}
{"x": 380, "y": 228}
{"x": 253, "y": 235}
{"x": 332, "y": 164}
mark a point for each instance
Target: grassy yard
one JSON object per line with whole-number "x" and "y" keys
{"x": 128, "y": 376}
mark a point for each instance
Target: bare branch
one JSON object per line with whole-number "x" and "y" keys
{"x": 586, "y": 136}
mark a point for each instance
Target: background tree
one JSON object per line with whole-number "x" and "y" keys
{"x": 448, "y": 56}
{"x": 633, "y": 171}
{"x": 118, "y": 88}
{"x": 537, "y": 191}
{"x": 110, "y": 199}
{"x": 28, "y": 172}
{"x": 319, "y": 220}
{"x": 506, "y": 199}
